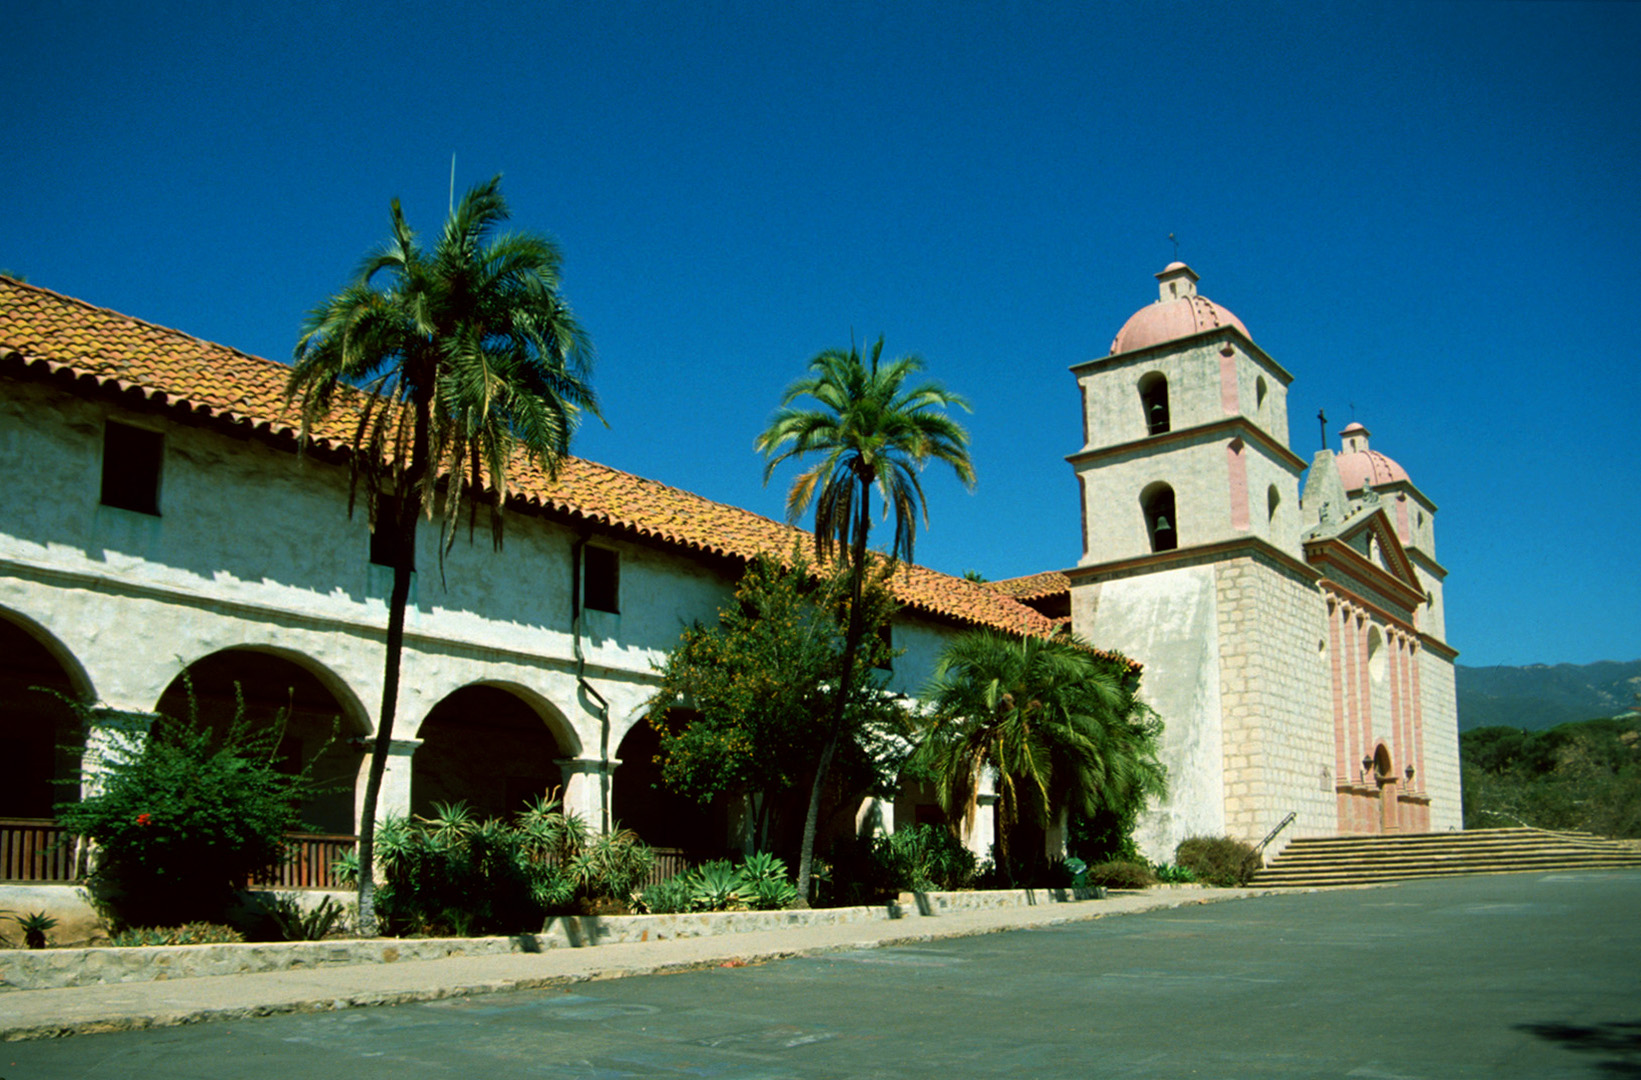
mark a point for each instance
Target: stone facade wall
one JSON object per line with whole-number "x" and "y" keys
{"x": 1276, "y": 699}
{"x": 1439, "y": 704}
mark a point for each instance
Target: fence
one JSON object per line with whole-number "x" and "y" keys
{"x": 310, "y": 862}
{"x": 35, "y": 850}
{"x": 39, "y": 850}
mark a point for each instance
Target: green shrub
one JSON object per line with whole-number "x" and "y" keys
{"x": 716, "y": 886}
{"x": 759, "y": 882}
{"x": 923, "y": 858}
{"x": 285, "y": 918}
{"x": 1218, "y": 860}
{"x": 451, "y": 873}
{"x": 183, "y": 816}
{"x": 1170, "y": 874}
{"x": 669, "y": 897}
{"x": 1120, "y": 874}
{"x": 194, "y": 933}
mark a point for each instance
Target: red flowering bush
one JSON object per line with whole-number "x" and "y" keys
{"x": 182, "y": 816}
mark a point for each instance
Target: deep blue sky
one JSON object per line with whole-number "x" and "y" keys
{"x": 1427, "y": 213}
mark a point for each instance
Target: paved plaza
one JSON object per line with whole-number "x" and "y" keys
{"x": 1517, "y": 975}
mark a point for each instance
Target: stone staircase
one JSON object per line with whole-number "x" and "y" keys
{"x": 1364, "y": 860}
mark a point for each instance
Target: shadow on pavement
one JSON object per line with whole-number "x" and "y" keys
{"x": 1620, "y": 1043}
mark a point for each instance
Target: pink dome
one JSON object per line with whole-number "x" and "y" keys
{"x": 1368, "y": 467}
{"x": 1171, "y": 320}
{"x": 1359, "y": 465}
{"x": 1178, "y": 313}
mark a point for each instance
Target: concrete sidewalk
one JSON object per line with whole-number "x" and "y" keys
{"x": 32, "y": 1014}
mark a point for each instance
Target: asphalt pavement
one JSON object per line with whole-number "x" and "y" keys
{"x": 1502, "y": 976}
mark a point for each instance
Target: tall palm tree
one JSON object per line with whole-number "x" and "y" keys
{"x": 871, "y": 430}
{"x": 465, "y": 354}
{"x": 1055, "y": 726}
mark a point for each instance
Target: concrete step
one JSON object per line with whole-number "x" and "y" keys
{"x": 1351, "y": 860}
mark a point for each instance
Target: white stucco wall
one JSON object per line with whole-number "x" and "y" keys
{"x": 254, "y": 550}
{"x": 1168, "y": 621}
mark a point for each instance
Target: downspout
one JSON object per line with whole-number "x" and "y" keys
{"x": 587, "y": 687}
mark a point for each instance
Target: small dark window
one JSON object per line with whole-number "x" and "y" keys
{"x": 1154, "y": 400}
{"x": 1160, "y": 520}
{"x": 131, "y": 468}
{"x": 384, "y": 538}
{"x": 601, "y": 579}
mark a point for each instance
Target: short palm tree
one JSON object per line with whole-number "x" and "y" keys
{"x": 1048, "y": 719}
{"x": 465, "y": 354}
{"x": 873, "y": 429}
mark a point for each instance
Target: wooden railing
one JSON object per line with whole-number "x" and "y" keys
{"x": 310, "y": 862}
{"x": 35, "y": 849}
{"x": 40, "y": 850}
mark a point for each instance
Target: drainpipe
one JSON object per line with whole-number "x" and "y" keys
{"x": 587, "y": 687}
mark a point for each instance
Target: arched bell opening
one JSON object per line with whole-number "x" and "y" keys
{"x": 1161, "y": 521}
{"x": 490, "y": 748}
{"x": 1153, "y": 389}
{"x": 40, "y": 736}
{"x": 317, "y": 727}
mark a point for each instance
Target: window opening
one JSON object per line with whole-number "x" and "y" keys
{"x": 1154, "y": 400}
{"x": 132, "y": 458}
{"x": 1273, "y": 499}
{"x": 1259, "y": 393}
{"x": 601, "y": 579}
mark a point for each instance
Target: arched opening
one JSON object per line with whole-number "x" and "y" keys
{"x": 40, "y": 736}
{"x": 1273, "y": 500}
{"x": 1259, "y": 393}
{"x": 318, "y": 726}
{"x": 1161, "y": 523}
{"x": 1383, "y": 767}
{"x": 642, "y": 803}
{"x": 487, "y": 747}
{"x": 1154, "y": 402}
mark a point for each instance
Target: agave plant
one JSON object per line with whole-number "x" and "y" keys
{"x": 34, "y": 928}
{"x": 716, "y": 886}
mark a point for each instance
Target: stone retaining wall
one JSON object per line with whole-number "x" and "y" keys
{"x": 42, "y": 969}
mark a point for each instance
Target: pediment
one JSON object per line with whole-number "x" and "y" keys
{"x": 1366, "y": 548}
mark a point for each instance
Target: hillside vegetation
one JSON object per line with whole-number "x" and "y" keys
{"x": 1540, "y": 696}
{"x": 1584, "y": 775}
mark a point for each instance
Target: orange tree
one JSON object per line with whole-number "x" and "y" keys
{"x": 743, "y": 706}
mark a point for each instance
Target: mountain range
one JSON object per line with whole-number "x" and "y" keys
{"x": 1540, "y": 696}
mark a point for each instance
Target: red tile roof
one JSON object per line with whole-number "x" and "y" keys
{"x": 1033, "y": 586}
{"x": 98, "y": 349}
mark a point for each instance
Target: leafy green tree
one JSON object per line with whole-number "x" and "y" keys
{"x": 742, "y": 705}
{"x": 183, "y": 816}
{"x": 873, "y": 429}
{"x": 1584, "y": 776}
{"x": 1060, "y": 727}
{"x": 467, "y": 353}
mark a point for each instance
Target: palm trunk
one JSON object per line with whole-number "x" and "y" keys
{"x": 398, "y": 601}
{"x": 851, "y": 646}
{"x": 408, "y": 509}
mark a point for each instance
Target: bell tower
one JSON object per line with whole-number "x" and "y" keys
{"x": 1192, "y": 564}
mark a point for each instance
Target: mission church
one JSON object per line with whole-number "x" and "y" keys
{"x": 161, "y": 531}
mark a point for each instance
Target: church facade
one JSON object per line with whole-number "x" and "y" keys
{"x": 1292, "y": 636}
